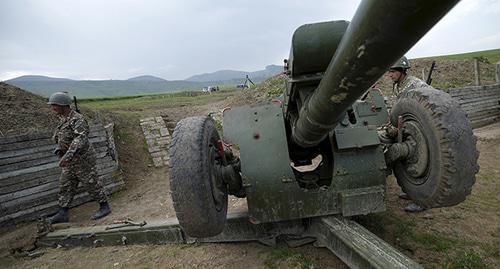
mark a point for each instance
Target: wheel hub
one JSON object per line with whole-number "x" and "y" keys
{"x": 417, "y": 162}
{"x": 215, "y": 182}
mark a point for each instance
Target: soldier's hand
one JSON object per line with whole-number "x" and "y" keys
{"x": 63, "y": 163}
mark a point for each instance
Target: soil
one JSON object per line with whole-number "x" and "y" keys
{"x": 24, "y": 112}
{"x": 147, "y": 196}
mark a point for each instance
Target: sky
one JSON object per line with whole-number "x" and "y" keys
{"x": 175, "y": 39}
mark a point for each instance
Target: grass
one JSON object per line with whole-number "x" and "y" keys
{"x": 486, "y": 56}
{"x": 455, "y": 252}
{"x": 153, "y": 102}
{"x": 289, "y": 256}
{"x": 466, "y": 259}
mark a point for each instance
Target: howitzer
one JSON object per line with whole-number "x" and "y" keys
{"x": 319, "y": 151}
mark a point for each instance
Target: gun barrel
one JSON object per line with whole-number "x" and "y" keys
{"x": 380, "y": 32}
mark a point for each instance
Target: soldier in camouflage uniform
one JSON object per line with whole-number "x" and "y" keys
{"x": 402, "y": 83}
{"x": 78, "y": 162}
{"x": 401, "y": 79}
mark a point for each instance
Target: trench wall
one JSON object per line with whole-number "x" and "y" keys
{"x": 481, "y": 103}
{"x": 29, "y": 174}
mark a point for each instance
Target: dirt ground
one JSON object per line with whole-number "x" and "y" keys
{"x": 147, "y": 196}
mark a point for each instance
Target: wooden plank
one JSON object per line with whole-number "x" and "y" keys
{"x": 473, "y": 99}
{"x": 28, "y": 170}
{"x": 20, "y": 138}
{"x": 108, "y": 163}
{"x": 470, "y": 110}
{"x": 469, "y": 89}
{"x": 29, "y": 184}
{"x": 50, "y": 208}
{"x": 484, "y": 114}
{"x": 96, "y": 128}
{"x": 478, "y": 98}
{"x": 27, "y": 144}
{"x": 98, "y": 139}
{"x": 100, "y": 144}
{"x": 101, "y": 133}
{"x": 48, "y": 153}
{"x": 16, "y": 159}
{"x": 27, "y": 164}
{"x": 466, "y": 91}
{"x": 479, "y": 112}
{"x": 20, "y": 152}
{"x": 41, "y": 198}
{"x": 481, "y": 104}
{"x": 35, "y": 194}
{"x": 15, "y": 205}
{"x": 484, "y": 122}
{"x": 27, "y": 194}
{"x": 30, "y": 176}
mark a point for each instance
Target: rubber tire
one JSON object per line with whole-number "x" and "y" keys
{"x": 191, "y": 178}
{"x": 451, "y": 147}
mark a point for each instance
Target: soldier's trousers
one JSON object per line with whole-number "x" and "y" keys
{"x": 81, "y": 170}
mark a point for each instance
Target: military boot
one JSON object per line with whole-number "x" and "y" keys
{"x": 61, "y": 216}
{"x": 103, "y": 211}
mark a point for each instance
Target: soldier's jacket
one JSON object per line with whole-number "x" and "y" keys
{"x": 408, "y": 83}
{"x": 72, "y": 137}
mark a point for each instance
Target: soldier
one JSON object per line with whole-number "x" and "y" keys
{"x": 404, "y": 82}
{"x": 77, "y": 159}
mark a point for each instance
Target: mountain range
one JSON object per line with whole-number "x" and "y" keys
{"x": 146, "y": 84}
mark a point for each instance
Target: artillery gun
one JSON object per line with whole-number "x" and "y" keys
{"x": 317, "y": 151}
{"x": 315, "y": 157}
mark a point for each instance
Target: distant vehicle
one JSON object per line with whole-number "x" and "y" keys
{"x": 210, "y": 89}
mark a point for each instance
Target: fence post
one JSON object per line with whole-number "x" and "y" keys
{"x": 497, "y": 73}
{"x": 477, "y": 80}
{"x": 423, "y": 74}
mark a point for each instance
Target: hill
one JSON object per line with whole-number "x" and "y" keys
{"x": 37, "y": 78}
{"x": 93, "y": 88}
{"x": 141, "y": 85}
{"x": 223, "y": 75}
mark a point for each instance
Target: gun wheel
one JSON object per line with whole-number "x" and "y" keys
{"x": 441, "y": 170}
{"x": 200, "y": 205}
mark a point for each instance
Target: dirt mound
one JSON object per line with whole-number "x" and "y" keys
{"x": 24, "y": 112}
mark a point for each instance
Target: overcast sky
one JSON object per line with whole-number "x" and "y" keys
{"x": 119, "y": 39}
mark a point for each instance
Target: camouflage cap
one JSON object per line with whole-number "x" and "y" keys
{"x": 402, "y": 63}
{"x": 59, "y": 98}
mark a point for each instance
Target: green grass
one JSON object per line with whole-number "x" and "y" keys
{"x": 153, "y": 102}
{"x": 456, "y": 252}
{"x": 487, "y": 56}
{"x": 289, "y": 256}
{"x": 467, "y": 259}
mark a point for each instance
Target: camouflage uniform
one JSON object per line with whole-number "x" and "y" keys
{"x": 72, "y": 138}
{"x": 408, "y": 83}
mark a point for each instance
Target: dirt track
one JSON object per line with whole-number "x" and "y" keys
{"x": 147, "y": 196}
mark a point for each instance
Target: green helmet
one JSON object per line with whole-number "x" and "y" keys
{"x": 402, "y": 63}
{"x": 60, "y": 98}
